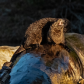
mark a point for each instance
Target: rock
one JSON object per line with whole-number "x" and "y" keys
{"x": 6, "y": 53}
{"x": 58, "y": 64}
{"x": 66, "y": 67}
{"x": 76, "y": 41}
{"x": 34, "y": 66}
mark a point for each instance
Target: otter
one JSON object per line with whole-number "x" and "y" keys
{"x": 37, "y": 31}
{"x": 42, "y": 32}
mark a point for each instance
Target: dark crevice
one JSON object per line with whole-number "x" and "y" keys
{"x": 45, "y": 31}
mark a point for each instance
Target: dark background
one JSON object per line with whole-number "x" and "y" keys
{"x": 16, "y": 15}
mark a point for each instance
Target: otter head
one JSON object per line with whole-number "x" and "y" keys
{"x": 57, "y": 30}
{"x": 63, "y": 23}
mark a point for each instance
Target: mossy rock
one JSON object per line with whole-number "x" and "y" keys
{"x": 76, "y": 42}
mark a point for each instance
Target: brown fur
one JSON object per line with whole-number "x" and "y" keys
{"x": 36, "y": 34}
{"x": 57, "y": 30}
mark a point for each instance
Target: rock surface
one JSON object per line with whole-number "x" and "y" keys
{"x": 36, "y": 66}
{"x": 76, "y": 44}
{"x": 6, "y": 53}
{"x": 76, "y": 41}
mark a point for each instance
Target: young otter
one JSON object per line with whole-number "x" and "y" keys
{"x": 39, "y": 33}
